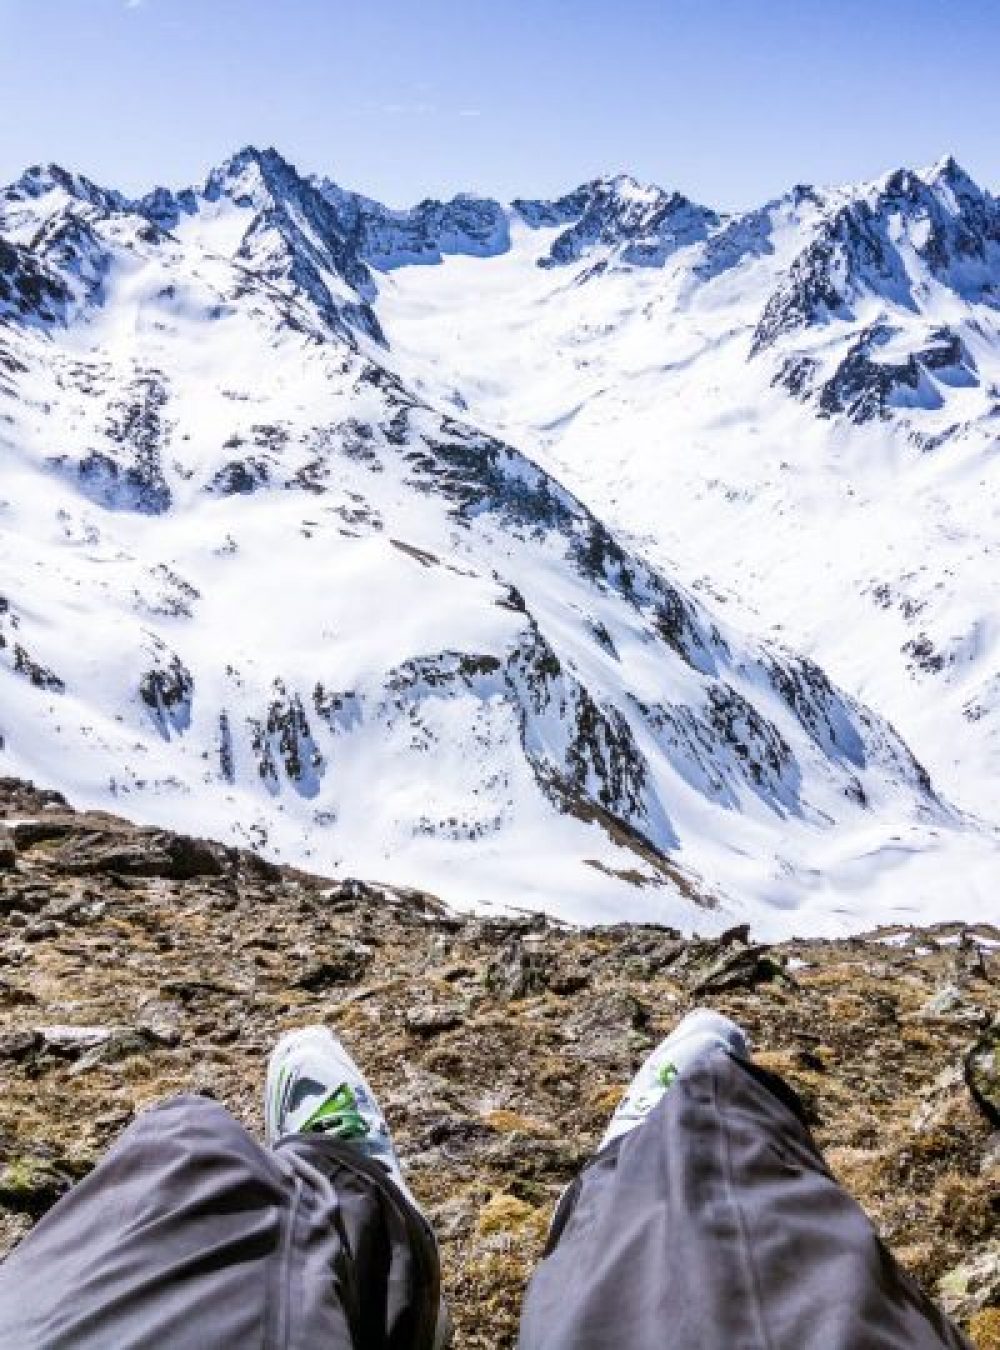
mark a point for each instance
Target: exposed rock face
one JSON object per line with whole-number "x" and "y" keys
{"x": 868, "y": 383}
{"x": 167, "y": 690}
{"x": 240, "y": 476}
{"x": 283, "y": 737}
{"x": 645, "y": 225}
{"x": 982, "y": 1072}
{"x": 422, "y": 234}
{"x": 129, "y": 476}
{"x": 137, "y": 964}
{"x": 860, "y": 249}
{"x": 541, "y": 213}
{"x": 28, "y": 289}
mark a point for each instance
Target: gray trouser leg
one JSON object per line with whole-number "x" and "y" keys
{"x": 715, "y": 1225}
{"x": 190, "y": 1235}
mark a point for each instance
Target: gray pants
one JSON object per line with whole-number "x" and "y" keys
{"x": 191, "y": 1235}
{"x": 714, "y": 1226}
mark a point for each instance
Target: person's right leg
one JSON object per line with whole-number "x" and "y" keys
{"x": 189, "y": 1234}
{"x": 708, "y": 1221}
{"x": 175, "y": 1239}
{"x": 325, "y": 1125}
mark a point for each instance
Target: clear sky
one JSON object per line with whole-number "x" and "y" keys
{"x": 732, "y": 101}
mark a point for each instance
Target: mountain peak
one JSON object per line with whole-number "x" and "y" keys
{"x": 41, "y": 179}
{"x": 252, "y": 174}
{"x": 643, "y": 221}
{"x": 913, "y": 184}
{"x": 268, "y": 159}
{"x": 624, "y": 184}
{"x": 949, "y": 172}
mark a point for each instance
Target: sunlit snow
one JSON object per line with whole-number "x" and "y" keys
{"x": 272, "y": 569}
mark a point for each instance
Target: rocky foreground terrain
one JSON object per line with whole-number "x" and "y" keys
{"x": 135, "y": 964}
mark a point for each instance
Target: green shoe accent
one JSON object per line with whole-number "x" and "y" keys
{"x": 338, "y": 1116}
{"x": 666, "y": 1075}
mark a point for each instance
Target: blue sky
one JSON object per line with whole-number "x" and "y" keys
{"x": 730, "y": 100}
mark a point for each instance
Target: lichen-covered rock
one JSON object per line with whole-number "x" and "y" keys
{"x": 982, "y": 1073}
{"x": 153, "y": 853}
{"x": 973, "y": 1285}
{"x": 31, "y": 1183}
{"x": 518, "y": 970}
{"x": 741, "y": 968}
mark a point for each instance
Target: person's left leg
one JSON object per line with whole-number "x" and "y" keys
{"x": 190, "y": 1234}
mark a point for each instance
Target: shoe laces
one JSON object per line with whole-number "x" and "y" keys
{"x": 338, "y": 1116}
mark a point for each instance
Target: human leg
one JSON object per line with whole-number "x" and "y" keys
{"x": 175, "y": 1239}
{"x": 322, "y": 1114}
{"x": 712, "y": 1223}
{"x": 189, "y": 1234}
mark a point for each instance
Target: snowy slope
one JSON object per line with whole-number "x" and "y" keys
{"x": 798, "y": 415}
{"x": 263, "y": 577}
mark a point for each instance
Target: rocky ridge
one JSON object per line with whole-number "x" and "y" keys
{"x": 643, "y": 226}
{"x": 138, "y": 963}
{"x": 422, "y": 234}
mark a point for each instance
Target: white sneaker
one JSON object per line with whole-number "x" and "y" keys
{"x": 315, "y": 1087}
{"x": 695, "y": 1036}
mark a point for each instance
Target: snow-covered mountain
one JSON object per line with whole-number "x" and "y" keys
{"x": 798, "y": 414}
{"x": 275, "y": 566}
